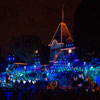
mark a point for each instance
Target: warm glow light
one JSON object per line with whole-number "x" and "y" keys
{"x": 20, "y": 63}
{"x": 69, "y": 51}
{"x": 36, "y": 51}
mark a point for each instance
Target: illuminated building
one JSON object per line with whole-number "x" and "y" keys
{"x": 63, "y": 58}
{"x": 62, "y": 48}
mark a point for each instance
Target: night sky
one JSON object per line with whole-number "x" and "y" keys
{"x": 41, "y": 18}
{"x": 34, "y": 17}
{"x": 87, "y": 25}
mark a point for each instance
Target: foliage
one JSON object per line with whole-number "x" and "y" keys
{"x": 24, "y": 47}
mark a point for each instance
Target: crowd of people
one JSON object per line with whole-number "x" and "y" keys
{"x": 44, "y": 90}
{"x": 65, "y": 86}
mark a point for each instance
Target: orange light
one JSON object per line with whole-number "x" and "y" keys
{"x": 20, "y": 63}
{"x": 69, "y": 51}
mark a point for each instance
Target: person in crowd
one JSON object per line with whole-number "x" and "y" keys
{"x": 57, "y": 85}
{"x": 7, "y": 76}
{"x": 96, "y": 88}
{"x": 50, "y": 86}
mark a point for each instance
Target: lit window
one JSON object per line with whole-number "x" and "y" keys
{"x": 69, "y": 51}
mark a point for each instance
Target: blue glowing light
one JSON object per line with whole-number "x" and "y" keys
{"x": 68, "y": 64}
{"x": 91, "y": 67}
{"x": 39, "y": 62}
{"x": 84, "y": 63}
{"x": 34, "y": 66}
{"x": 98, "y": 80}
{"x": 13, "y": 58}
{"x": 9, "y": 65}
{"x": 9, "y": 58}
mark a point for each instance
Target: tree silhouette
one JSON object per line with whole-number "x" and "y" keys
{"x": 24, "y": 47}
{"x": 87, "y": 23}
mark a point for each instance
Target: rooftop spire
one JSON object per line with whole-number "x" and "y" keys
{"x": 62, "y": 12}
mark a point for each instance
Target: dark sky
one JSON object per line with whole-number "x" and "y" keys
{"x": 87, "y": 25}
{"x": 37, "y": 17}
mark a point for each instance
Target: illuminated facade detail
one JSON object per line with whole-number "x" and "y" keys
{"x": 69, "y": 51}
{"x": 62, "y": 39}
{"x": 62, "y": 53}
{"x": 62, "y": 43}
{"x": 63, "y": 60}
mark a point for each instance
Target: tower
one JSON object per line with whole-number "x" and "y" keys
{"x": 11, "y": 60}
{"x": 61, "y": 42}
{"x": 37, "y": 63}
